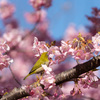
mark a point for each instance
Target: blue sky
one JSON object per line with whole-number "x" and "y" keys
{"x": 60, "y": 14}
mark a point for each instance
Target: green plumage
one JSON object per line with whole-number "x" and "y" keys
{"x": 37, "y": 68}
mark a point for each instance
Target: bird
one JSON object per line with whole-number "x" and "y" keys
{"x": 37, "y": 68}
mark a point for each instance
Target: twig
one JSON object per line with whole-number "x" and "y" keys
{"x": 14, "y": 76}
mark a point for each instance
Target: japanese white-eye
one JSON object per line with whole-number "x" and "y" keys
{"x": 37, "y": 68}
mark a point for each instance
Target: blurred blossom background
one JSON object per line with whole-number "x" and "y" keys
{"x": 63, "y": 20}
{"x": 61, "y": 15}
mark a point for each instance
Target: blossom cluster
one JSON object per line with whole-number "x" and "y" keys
{"x": 79, "y": 48}
{"x": 5, "y": 60}
{"x": 50, "y": 90}
{"x": 34, "y": 17}
{"x": 37, "y": 4}
{"x": 88, "y": 80}
{"x": 6, "y": 9}
{"x": 48, "y": 79}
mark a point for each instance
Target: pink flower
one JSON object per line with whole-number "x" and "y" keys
{"x": 54, "y": 53}
{"x": 72, "y": 32}
{"x": 14, "y": 35}
{"x": 39, "y": 47}
{"x": 6, "y": 9}
{"x": 66, "y": 48}
{"x": 80, "y": 54}
{"x": 76, "y": 91}
{"x": 4, "y": 47}
{"x": 48, "y": 79}
{"x": 42, "y": 28}
{"x": 85, "y": 82}
{"x": 35, "y": 92}
{"x": 38, "y": 16}
{"x": 96, "y": 39}
{"x": 54, "y": 92}
{"x": 48, "y": 70}
{"x": 96, "y": 42}
{"x": 94, "y": 84}
{"x": 37, "y": 4}
{"x": 90, "y": 80}
{"x": 4, "y": 59}
{"x": 88, "y": 55}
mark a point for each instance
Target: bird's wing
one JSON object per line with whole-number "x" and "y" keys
{"x": 36, "y": 66}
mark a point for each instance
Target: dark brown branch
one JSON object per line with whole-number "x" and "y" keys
{"x": 76, "y": 71}
{"x": 65, "y": 76}
{"x": 15, "y": 94}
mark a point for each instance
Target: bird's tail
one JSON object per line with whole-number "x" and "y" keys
{"x": 26, "y": 76}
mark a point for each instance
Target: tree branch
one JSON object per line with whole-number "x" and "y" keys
{"x": 65, "y": 76}
{"x": 76, "y": 71}
{"x": 15, "y": 94}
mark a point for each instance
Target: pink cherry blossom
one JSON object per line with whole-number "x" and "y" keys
{"x": 88, "y": 55}
{"x": 39, "y": 47}
{"x": 96, "y": 39}
{"x": 42, "y": 27}
{"x": 71, "y": 32}
{"x": 48, "y": 79}
{"x": 66, "y": 48}
{"x": 37, "y": 4}
{"x": 54, "y": 53}
{"x": 48, "y": 70}
{"x": 6, "y": 9}
{"x": 79, "y": 54}
{"x": 14, "y": 35}
{"x": 96, "y": 43}
{"x": 94, "y": 84}
{"x": 38, "y": 16}
{"x": 54, "y": 92}
{"x": 4, "y": 47}
{"x": 90, "y": 80}
{"x": 5, "y": 60}
{"x": 35, "y": 92}
{"x": 76, "y": 91}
